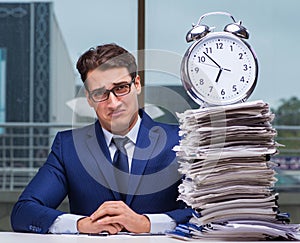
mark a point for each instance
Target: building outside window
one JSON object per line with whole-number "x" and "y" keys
{"x": 2, "y": 85}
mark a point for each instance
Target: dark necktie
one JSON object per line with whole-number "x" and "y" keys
{"x": 120, "y": 163}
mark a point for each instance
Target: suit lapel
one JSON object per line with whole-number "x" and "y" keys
{"x": 145, "y": 147}
{"x": 97, "y": 146}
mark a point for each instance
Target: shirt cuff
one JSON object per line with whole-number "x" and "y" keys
{"x": 65, "y": 224}
{"x": 160, "y": 223}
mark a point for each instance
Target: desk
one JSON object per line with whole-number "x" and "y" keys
{"x": 11, "y": 237}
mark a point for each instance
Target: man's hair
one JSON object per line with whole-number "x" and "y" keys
{"x": 106, "y": 57}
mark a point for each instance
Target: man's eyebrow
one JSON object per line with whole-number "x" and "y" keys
{"x": 114, "y": 84}
{"x": 99, "y": 89}
{"x": 120, "y": 82}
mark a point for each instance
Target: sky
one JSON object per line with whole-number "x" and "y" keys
{"x": 273, "y": 26}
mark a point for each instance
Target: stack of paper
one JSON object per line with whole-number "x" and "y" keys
{"x": 225, "y": 156}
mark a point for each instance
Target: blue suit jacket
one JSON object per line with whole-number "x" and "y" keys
{"x": 79, "y": 166}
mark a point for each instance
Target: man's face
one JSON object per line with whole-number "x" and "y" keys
{"x": 116, "y": 114}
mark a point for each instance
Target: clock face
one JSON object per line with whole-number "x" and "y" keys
{"x": 219, "y": 69}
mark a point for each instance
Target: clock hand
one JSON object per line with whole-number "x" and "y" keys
{"x": 219, "y": 74}
{"x": 211, "y": 65}
{"x": 214, "y": 63}
{"x": 212, "y": 59}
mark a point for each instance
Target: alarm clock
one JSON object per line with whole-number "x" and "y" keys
{"x": 219, "y": 68}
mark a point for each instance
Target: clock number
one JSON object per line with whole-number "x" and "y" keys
{"x": 222, "y": 92}
{"x": 219, "y": 45}
{"x": 241, "y": 56}
{"x": 196, "y": 69}
{"x": 201, "y": 59}
{"x": 231, "y": 48}
{"x": 208, "y": 50}
{"x": 201, "y": 81}
{"x": 234, "y": 88}
{"x": 210, "y": 88}
{"x": 242, "y": 79}
{"x": 245, "y": 67}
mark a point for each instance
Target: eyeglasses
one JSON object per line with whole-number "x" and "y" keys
{"x": 99, "y": 95}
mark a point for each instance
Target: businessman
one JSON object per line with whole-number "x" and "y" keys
{"x": 119, "y": 174}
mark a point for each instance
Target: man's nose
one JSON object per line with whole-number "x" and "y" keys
{"x": 113, "y": 98}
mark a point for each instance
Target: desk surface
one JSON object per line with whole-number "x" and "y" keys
{"x": 11, "y": 237}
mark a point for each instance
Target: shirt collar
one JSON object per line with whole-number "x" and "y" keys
{"x": 132, "y": 134}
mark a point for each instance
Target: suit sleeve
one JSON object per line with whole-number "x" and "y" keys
{"x": 181, "y": 216}
{"x": 35, "y": 209}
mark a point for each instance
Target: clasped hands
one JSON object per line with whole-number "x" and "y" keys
{"x": 113, "y": 217}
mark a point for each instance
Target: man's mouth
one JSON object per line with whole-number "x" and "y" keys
{"x": 116, "y": 113}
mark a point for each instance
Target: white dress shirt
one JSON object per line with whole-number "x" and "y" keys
{"x": 67, "y": 223}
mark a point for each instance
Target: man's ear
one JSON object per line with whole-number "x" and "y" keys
{"x": 137, "y": 84}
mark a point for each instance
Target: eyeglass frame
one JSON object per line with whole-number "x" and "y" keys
{"x": 108, "y": 91}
